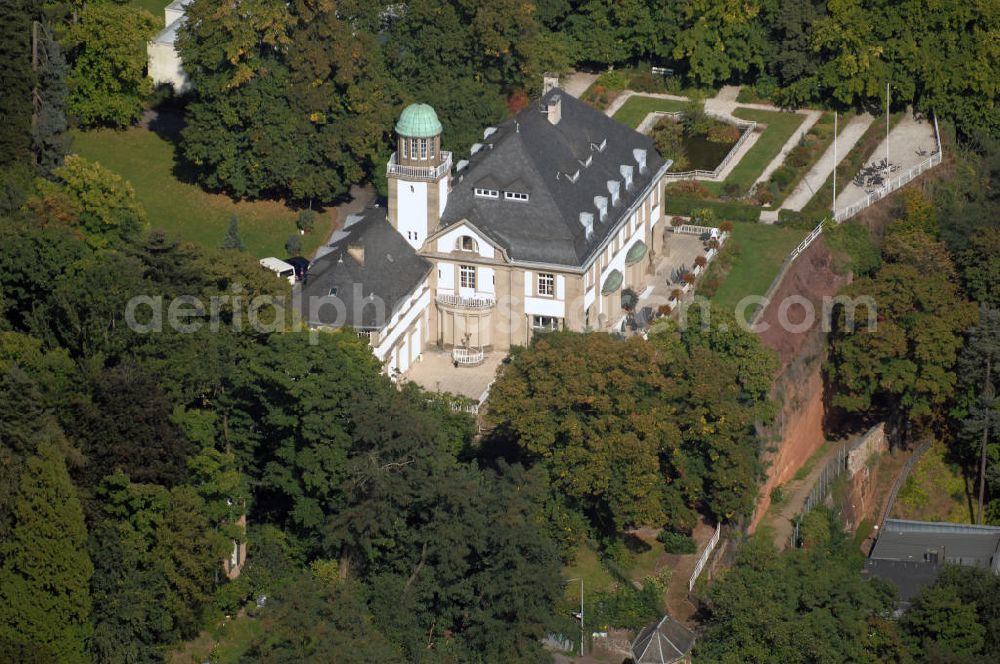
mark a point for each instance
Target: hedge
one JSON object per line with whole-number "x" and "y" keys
{"x": 723, "y": 209}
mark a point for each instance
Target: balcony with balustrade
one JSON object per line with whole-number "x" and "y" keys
{"x": 477, "y": 302}
{"x": 426, "y": 173}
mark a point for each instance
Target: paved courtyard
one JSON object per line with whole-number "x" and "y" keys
{"x": 436, "y": 372}
{"x": 911, "y": 141}
{"x": 679, "y": 253}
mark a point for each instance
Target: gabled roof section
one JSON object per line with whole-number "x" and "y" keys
{"x": 528, "y": 150}
{"x": 369, "y": 259}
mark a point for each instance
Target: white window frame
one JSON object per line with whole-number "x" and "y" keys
{"x": 487, "y": 193}
{"x": 462, "y": 240}
{"x": 514, "y": 196}
{"x": 546, "y": 284}
{"x": 544, "y": 323}
{"x": 467, "y": 276}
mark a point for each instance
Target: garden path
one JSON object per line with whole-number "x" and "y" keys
{"x": 820, "y": 172}
{"x": 577, "y": 83}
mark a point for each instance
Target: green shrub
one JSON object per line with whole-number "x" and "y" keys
{"x": 625, "y": 607}
{"x": 852, "y": 248}
{"x": 677, "y": 543}
{"x": 306, "y": 220}
{"x": 782, "y": 177}
{"x": 614, "y": 79}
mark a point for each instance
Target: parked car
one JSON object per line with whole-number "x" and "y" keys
{"x": 301, "y": 265}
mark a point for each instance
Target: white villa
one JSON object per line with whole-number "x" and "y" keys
{"x": 164, "y": 62}
{"x": 556, "y": 211}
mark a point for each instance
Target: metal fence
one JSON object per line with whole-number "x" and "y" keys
{"x": 703, "y": 559}
{"x": 889, "y": 187}
{"x": 833, "y": 469}
{"x": 789, "y": 259}
{"x": 895, "y": 183}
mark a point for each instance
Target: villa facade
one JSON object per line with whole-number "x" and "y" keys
{"x": 556, "y": 211}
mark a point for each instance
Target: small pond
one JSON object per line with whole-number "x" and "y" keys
{"x": 703, "y": 154}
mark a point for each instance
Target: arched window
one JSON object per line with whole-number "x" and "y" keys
{"x": 467, "y": 243}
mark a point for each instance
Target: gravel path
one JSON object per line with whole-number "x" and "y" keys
{"x": 821, "y": 170}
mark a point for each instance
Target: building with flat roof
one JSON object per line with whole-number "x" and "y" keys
{"x": 910, "y": 554}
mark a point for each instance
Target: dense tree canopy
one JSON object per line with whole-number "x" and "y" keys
{"x": 108, "y": 82}
{"x": 640, "y": 433}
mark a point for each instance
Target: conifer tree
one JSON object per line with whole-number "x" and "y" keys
{"x": 16, "y": 80}
{"x": 45, "y": 573}
{"x": 51, "y": 142}
{"x": 232, "y": 239}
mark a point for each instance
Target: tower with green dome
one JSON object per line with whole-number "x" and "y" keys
{"x": 419, "y": 173}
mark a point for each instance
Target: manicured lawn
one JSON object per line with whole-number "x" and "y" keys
{"x": 762, "y": 249}
{"x": 147, "y": 161}
{"x": 780, "y": 127}
{"x": 635, "y": 110}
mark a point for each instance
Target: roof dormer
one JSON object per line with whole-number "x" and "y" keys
{"x": 601, "y": 203}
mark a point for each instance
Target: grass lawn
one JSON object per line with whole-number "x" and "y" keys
{"x": 586, "y": 564}
{"x": 635, "y": 110}
{"x": 780, "y": 127}
{"x": 154, "y": 7}
{"x": 762, "y": 249}
{"x": 184, "y": 209}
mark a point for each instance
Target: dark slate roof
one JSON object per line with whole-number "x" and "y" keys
{"x": 664, "y": 642}
{"x": 908, "y": 577}
{"x": 910, "y": 541}
{"x": 529, "y": 151}
{"x": 391, "y": 271}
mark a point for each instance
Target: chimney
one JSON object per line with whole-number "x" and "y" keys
{"x": 550, "y": 80}
{"x": 554, "y": 109}
{"x": 357, "y": 252}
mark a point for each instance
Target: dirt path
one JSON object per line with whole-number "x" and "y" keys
{"x": 821, "y": 170}
{"x": 780, "y": 520}
{"x": 679, "y": 605}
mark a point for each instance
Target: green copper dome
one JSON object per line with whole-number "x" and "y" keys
{"x": 418, "y": 121}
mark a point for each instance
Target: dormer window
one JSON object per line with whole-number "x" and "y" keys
{"x": 487, "y": 193}
{"x": 626, "y": 172}
{"x": 467, "y": 243}
{"x": 613, "y": 189}
{"x": 573, "y": 178}
{"x": 586, "y": 163}
{"x": 601, "y": 202}
{"x": 587, "y": 221}
{"x": 515, "y": 196}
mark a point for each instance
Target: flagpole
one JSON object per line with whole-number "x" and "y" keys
{"x": 886, "y": 126}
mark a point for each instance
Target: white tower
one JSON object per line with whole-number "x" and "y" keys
{"x": 419, "y": 174}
